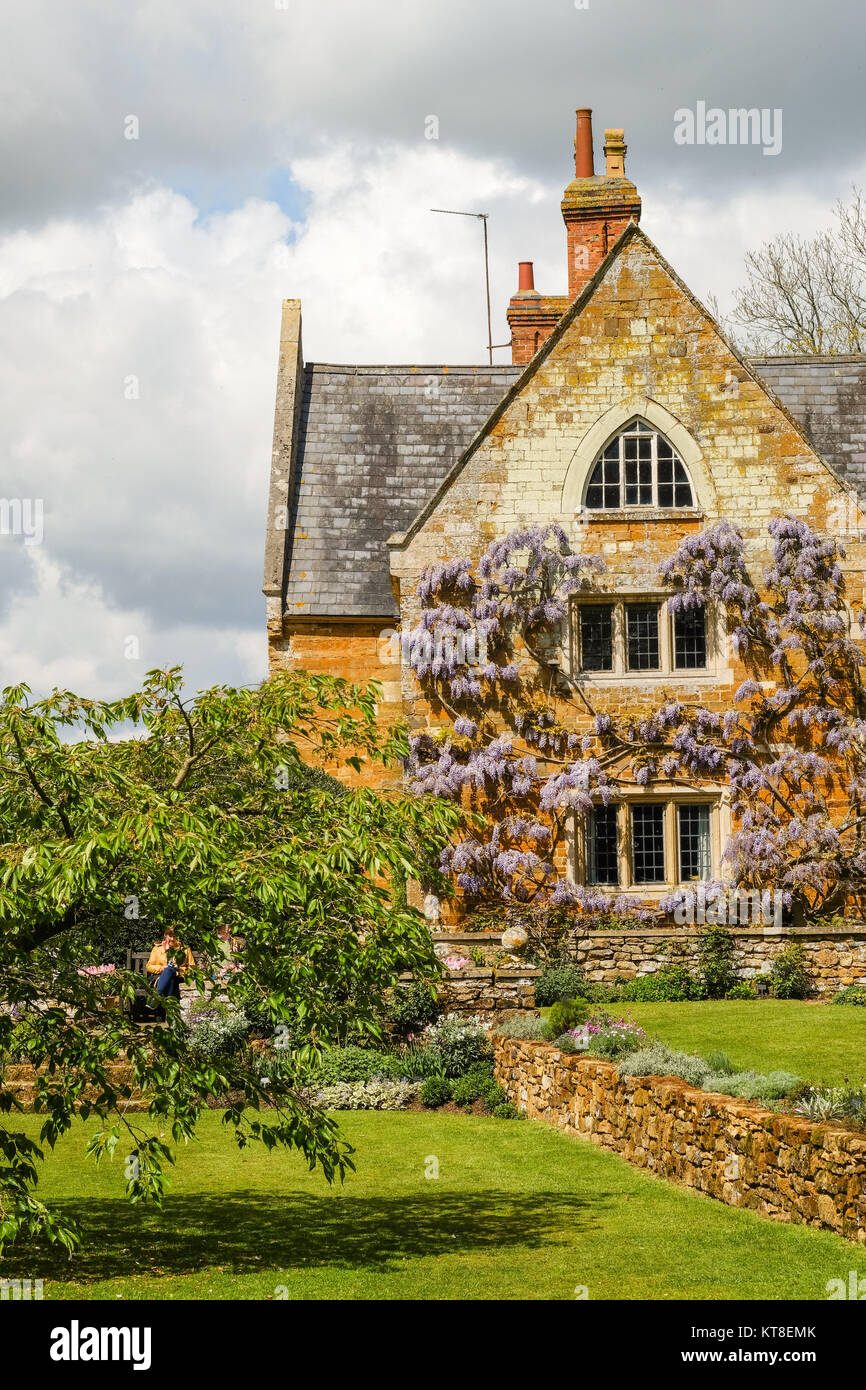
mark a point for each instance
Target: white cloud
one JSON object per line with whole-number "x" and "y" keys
{"x": 154, "y": 507}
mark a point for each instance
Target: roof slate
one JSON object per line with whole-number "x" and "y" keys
{"x": 827, "y": 395}
{"x": 375, "y": 443}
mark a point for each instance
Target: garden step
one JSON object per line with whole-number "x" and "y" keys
{"x": 24, "y": 1092}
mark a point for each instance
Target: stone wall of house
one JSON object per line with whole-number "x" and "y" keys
{"x": 355, "y": 650}
{"x": 836, "y": 957}
{"x": 777, "y": 1165}
{"x": 640, "y": 345}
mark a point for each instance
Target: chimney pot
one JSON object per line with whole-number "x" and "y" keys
{"x": 583, "y": 165}
{"x": 525, "y": 277}
{"x": 614, "y": 154}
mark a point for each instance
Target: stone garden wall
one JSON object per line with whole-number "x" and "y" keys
{"x": 836, "y": 956}
{"x": 777, "y": 1165}
{"x": 487, "y": 991}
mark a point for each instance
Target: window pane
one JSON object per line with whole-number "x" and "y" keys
{"x": 636, "y": 469}
{"x": 595, "y": 490}
{"x": 694, "y": 837}
{"x": 638, "y": 483}
{"x": 602, "y": 864}
{"x": 642, "y": 629}
{"x": 682, "y": 490}
{"x": 690, "y": 640}
{"x": 648, "y": 844}
{"x": 596, "y": 636}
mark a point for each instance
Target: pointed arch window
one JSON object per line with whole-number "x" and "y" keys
{"x": 639, "y": 468}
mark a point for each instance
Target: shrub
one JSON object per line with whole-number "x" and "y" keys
{"x": 558, "y": 982}
{"x": 217, "y": 1030}
{"x": 464, "y": 1091}
{"x": 789, "y": 973}
{"x": 458, "y": 1042}
{"x": 660, "y": 1060}
{"x": 566, "y": 1043}
{"x": 720, "y": 1063}
{"x": 349, "y": 1064}
{"x": 506, "y": 1111}
{"x": 435, "y": 1091}
{"x": 411, "y": 1008}
{"x": 473, "y": 1084}
{"x": 833, "y": 1103}
{"x": 521, "y": 1026}
{"x": 716, "y": 962}
{"x": 380, "y": 1094}
{"x": 744, "y": 989}
{"x": 608, "y": 1037}
{"x": 672, "y": 983}
{"x": 565, "y": 1015}
{"x": 494, "y": 1097}
{"x": 599, "y": 994}
{"x": 852, "y": 994}
{"x": 750, "y": 1085}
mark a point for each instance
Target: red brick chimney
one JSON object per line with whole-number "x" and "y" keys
{"x": 531, "y": 316}
{"x": 596, "y": 209}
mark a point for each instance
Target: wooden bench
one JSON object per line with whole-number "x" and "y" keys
{"x": 136, "y": 961}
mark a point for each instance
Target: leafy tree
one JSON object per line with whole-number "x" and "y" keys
{"x": 196, "y": 812}
{"x": 527, "y": 746}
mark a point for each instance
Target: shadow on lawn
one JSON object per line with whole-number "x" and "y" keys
{"x": 248, "y": 1232}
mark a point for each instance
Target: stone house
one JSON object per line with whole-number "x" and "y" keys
{"x": 626, "y": 417}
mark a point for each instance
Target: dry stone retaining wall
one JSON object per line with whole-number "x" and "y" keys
{"x": 780, "y": 1166}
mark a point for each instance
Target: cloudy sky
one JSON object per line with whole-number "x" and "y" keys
{"x": 172, "y": 169}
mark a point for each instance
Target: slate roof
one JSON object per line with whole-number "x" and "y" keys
{"x": 827, "y": 395}
{"x": 375, "y": 443}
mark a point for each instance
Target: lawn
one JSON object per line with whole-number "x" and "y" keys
{"x": 518, "y": 1211}
{"x": 822, "y": 1043}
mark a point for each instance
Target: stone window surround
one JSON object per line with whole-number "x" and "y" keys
{"x": 670, "y": 795}
{"x": 603, "y": 431}
{"x": 716, "y": 634}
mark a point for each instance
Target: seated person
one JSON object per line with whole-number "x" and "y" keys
{"x": 169, "y": 972}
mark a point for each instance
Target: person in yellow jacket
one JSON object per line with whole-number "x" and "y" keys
{"x": 168, "y": 969}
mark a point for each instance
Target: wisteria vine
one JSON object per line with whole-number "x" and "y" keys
{"x": 525, "y": 745}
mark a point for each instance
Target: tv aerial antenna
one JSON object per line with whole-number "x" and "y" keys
{"x": 482, "y": 217}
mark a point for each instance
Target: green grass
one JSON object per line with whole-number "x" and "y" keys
{"x": 519, "y": 1211}
{"x": 823, "y": 1044}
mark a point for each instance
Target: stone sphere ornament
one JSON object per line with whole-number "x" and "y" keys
{"x": 515, "y": 940}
